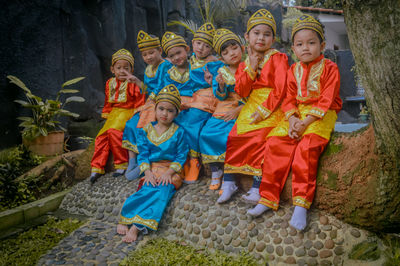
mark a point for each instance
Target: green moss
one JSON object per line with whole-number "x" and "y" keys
{"x": 333, "y": 148}
{"x": 332, "y": 180}
{"x": 392, "y": 252}
{"x": 164, "y": 252}
{"x": 348, "y": 178}
{"x": 28, "y": 247}
{"x": 365, "y": 250}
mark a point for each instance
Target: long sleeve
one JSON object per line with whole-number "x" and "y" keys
{"x": 182, "y": 150}
{"x": 107, "y": 105}
{"x": 143, "y": 157}
{"x": 245, "y": 77}
{"x": 279, "y": 67}
{"x": 136, "y": 96}
{"x": 330, "y": 85}
{"x": 289, "y": 104}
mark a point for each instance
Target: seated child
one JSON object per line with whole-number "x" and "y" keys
{"x": 214, "y": 135}
{"x": 121, "y": 101}
{"x": 311, "y": 106}
{"x": 162, "y": 153}
{"x": 262, "y": 79}
{"x": 156, "y": 69}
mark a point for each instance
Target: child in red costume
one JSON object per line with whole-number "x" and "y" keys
{"x": 311, "y": 106}
{"x": 121, "y": 100}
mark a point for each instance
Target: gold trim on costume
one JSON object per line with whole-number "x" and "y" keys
{"x": 264, "y": 112}
{"x": 302, "y": 202}
{"x": 261, "y": 16}
{"x": 121, "y": 166}
{"x": 177, "y": 167}
{"x": 143, "y": 167}
{"x": 153, "y": 136}
{"x": 313, "y": 82}
{"x": 104, "y": 115}
{"x": 129, "y": 146}
{"x": 152, "y": 71}
{"x": 98, "y": 170}
{"x": 221, "y": 36}
{"x": 122, "y": 54}
{"x": 227, "y": 75}
{"x": 194, "y": 154}
{"x": 315, "y": 111}
{"x": 122, "y": 95}
{"x": 249, "y": 70}
{"x": 196, "y": 63}
{"x": 267, "y": 56}
{"x": 244, "y": 169}
{"x": 271, "y": 204}
{"x": 212, "y": 158}
{"x": 151, "y": 223}
{"x": 146, "y": 42}
{"x": 289, "y": 113}
{"x": 178, "y": 76}
{"x": 308, "y": 22}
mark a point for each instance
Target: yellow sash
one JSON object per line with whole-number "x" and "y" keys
{"x": 322, "y": 127}
{"x": 117, "y": 119}
{"x": 256, "y": 98}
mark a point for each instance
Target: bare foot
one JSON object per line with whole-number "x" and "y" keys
{"x": 131, "y": 235}
{"x": 122, "y": 229}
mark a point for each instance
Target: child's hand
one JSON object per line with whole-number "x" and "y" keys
{"x": 207, "y": 76}
{"x": 221, "y": 81}
{"x": 165, "y": 179}
{"x": 149, "y": 178}
{"x": 132, "y": 78}
{"x": 256, "y": 118}
{"x": 254, "y": 57}
{"x": 232, "y": 114}
{"x": 294, "y": 126}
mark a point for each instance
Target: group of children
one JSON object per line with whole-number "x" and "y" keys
{"x": 255, "y": 117}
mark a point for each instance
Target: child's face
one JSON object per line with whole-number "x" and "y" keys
{"x": 260, "y": 38}
{"x": 178, "y": 55}
{"x": 119, "y": 69}
{"x": 232, "y": 55}
{"x": 201, "y": 49}
{"x": 152, "y": 56}
{"x": 165, "y": 113}
{"x": 307, "y": 46}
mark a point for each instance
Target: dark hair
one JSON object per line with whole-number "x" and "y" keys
{"x": 273, "y": 33}
{"x": 319, "y": 37}
{"x": 229, "y": 43}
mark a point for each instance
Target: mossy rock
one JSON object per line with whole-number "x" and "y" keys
{"x": 365, "y": 250}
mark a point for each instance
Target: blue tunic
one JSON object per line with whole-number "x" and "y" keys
{"x": 214, "y": 135}
{"x": 145, "y": 208}
{"x": 153, "y": 81}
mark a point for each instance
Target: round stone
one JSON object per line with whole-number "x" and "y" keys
{"x": 250, "y": 226}
{"x": 329, "y": 244}
{"x": 268, "y": 224}
{"x": 333, "y": 234}
{"x": 336, "y": 224}
{"x": 326, "y": 253}
{"x": 322, "y": 235}
{"x": 253, "y": 232}
{"x": 270, "y": 249}
{"x": 337, "y": 260}
{"x": 206, "y": 233}
{"x": 260, "y": 246}
{"x": 213, "y": 227}
{"x": 300, "y": 252}
{"x": 280, "y": 212}
{"x": 243, "y": 217}
{"x": 243, "y": 234}
{"x": 284, "y": 224}
{"x": 260, "y": 220}
{"x": 298, "y": 242}
{"x": 289, "y": 250}
{"x": 278, "y": 221}
{"x": 266, "y": 239}
{"x": 179, "y": 224}
{"x": 189, "y": 229}
{"x": 260, "y": 237}
{"x": 290, "y": 260}
{"x": 339, "y": 250}
{"x": 213, "y": 237}
{"x": 225, "y": 223}
{"x": 180, "y": 233}
{"x": 279, "y": 251}
{"x": 283, "y": 233}
{"x": 311, "y": 235}
{"x": 354, "y": 232}
{"x": 192, "y": 219}
{"x": 235, "y": 222}
{"x": 318, "y": 245}
{"x": 323, "y": 220}
{"x": 312, "y": 253}
{"x": 245, "y": 242}
{"x": 301, "y": 262}
{"x": 212, "y": 219}
{"x": 251, "y": 246}
{"x": 288, "y": 241}
{"x": 327, "y": 227}
{"x": 274, "y": 234}
{"x": 186, "y": 207}
{"x": 235, "y": 233}
{"x": 308, "y": 244}
{"x": 277, "y": 240}
{"x": 196, "y": 230}
{"x": 312, "y": 262}
{"x": 236, "y": 243}
{"x": 195, "y": 239}
{"x": 292, "y": 231}
{"x": 220, "y": 231}
{"x": 227, "y": 239}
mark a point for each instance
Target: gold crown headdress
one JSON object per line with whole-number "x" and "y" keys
{"x": 205, "y": 33}
{"x": 221, "y": 36}
{"x": 145, "y": 41}
{"x": 310, "y": 23}
{"x": 122, "y": 54}
{"x": 169, "y": 94}
{"x": 170, "y": 40}
{"x": 262, "y": 16}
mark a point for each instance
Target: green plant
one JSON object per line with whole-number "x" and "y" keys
{"x": 45, "y": 112}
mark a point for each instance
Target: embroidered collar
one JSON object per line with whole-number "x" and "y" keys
{"x": 227, "y": 74}
{"x": 117, "y": 91}
{"x": 267, "y": 56}
{"x": 151, "y": 71}
{"x": 195, "y": 62}
{"x": 315, "y": 61}
{"x": 153, "y": 136}
{"x": 178, "y": 76}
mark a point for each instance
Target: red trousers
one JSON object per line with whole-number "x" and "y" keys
{"x": 283, "y": 153}
{"x": 109, "y": 140}
{"x": 245, "y": 152}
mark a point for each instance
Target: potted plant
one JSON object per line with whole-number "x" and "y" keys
{"x": 42, "y": 133}
{"x": 364, "y": 115}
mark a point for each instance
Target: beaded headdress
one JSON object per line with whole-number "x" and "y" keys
{"x": 221, "y": 36}
{"x": 308, "y": 22}
{"x": 262, "y": 16}
{"x": 170, "y": 40}
{"x": 205, "y": 33}
{"x": 169, "y": 94}
{"x": 145, "y": 41}
{"x": 122, "y": 54}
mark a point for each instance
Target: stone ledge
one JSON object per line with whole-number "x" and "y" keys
{"x": 27, "y": 212}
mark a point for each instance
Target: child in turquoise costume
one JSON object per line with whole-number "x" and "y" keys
{"x": 155, "y": 72}
{"x": 162, "y": 152}
{"x": 202, "y": 63}
{"x": 214, "y": 134}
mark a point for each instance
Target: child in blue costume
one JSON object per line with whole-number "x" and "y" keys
{"x": 155, "y": 72}
{"x": 162, "y": 152}
{"x": 214, "y": 134}
{"x": 203, "y": 103}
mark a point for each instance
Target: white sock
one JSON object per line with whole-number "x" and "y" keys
{"x": 228, "y": 188}
{"x": 215, "y": 175}
{"x": 258, "y": 210}
{"x": 299, "y": 218}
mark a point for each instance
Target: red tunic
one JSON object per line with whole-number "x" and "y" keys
{"x": 264, "y": 90}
